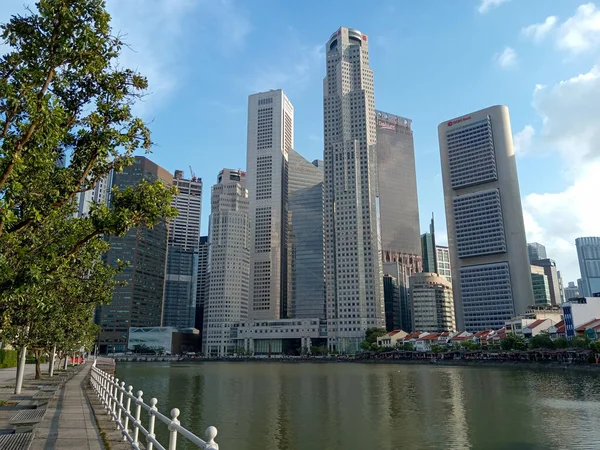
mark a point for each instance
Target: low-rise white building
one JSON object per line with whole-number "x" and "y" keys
{"x": 537, "y": 327}
{"x": 578, "y": 311}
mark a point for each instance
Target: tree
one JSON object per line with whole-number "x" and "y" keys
{"x": 541, "y": 340}
{"x": 580, "y": 342}
{"x": 371, "y": 334}
{"x": 407, "y": 347}
{"x": 512, "y": 342}
{"x": 436, "y": 348}
{"x": 469, "y": 345}
{"x": 595, "y": 346}
{"x": 375, "y": 347}
{"x": 63, "y": 96}
{"x": 561, "y": 342}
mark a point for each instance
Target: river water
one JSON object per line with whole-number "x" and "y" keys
{"x": 347, "y": 406}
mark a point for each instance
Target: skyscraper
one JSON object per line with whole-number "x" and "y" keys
{"x": 354, "y": 278}
{"x": 549, "y": 266}
{"x": 393, "y": 309}
{"x": 397, "y": 189}
{"x": 99, "y": 194}
{"x": 229, "y": 256}
{"x": 270, "y": 136}
{"x": 400, "y": 273}
{"x": 588, "y": 252}
{"x": 428, "y": 249}
{"x": 182, "y": 258}
{"x": 305, "y": 191}
{"x": 431, "y": 301}
{"x": 541, "y": 287}
{"x": 444, "y": 268}
{"x": 138, "y": 303}
{"x": 536, "y": 252}
{"x": 486, "y": 234}
{"x": 202, "y": 283}
{"x": 571, "y": 291}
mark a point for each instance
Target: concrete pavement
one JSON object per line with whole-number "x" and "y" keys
{"x": 9, "y": 376}
{"x": 69, "y": 423}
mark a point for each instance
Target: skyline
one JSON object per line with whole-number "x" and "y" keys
{"x": 273, "y": 46}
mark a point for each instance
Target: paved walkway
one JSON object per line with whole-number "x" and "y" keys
{"x": 69, "y": 422}
{"x": 9, "y": 376}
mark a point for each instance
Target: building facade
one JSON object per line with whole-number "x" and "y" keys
{"x": 428, "y": 249}
{"x": 138, "y": 303}
{"x": 353, "y": 272}
{"x": 182, "y": 259}
{"x": 229, "y": 259}
{"x": 486, "y": 233}
{"x": 305, "y": 194}
{"x": 393, "y": 309}
{"x": 554, "y": 281}
{"x": 541, "y": 287}
{"x": 401, "y": 274}
{"x": 588, "y": 252}
{"x": 270, "y": 136}
{"x": 578, "y": 311}
{"x": 431, "y": 303}
{"x": 444, "y": 268}
{"x": 571, "y": 291}
{"x": 536, "y": 252}
{"x": 202, "y": 283}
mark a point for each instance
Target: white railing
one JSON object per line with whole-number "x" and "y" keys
{"x": 118, "y": 402}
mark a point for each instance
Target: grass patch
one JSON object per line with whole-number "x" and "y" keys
{"x": 7, "y": 403}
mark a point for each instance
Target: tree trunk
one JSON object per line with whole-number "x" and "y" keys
{"x": 52, "y": 361}
{"x": 66, "y": 361}
{"x": 21, "y": 370}
{"x": 38, "y": 368}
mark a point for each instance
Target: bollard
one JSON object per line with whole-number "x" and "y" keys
{"x": 211, "y": 434}
{"x": 128, "y": 409}
{"x": 138, "y": 411}
{"x": 153, "y": 402}
{"x": 173, "y": 436}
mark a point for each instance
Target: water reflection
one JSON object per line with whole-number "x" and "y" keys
{"x": 275, "y": 406}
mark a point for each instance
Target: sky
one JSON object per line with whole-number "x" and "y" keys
{"x": 432, "y": 60}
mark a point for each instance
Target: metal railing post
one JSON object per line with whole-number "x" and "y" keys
{"x": 109, "y": 386}
{"x": 211, "y": 434}
{"x": 173, "y": 431}
{"x": 121, "y": 391}
{"x": 151, "y": 421}
{"x": 136, "y": 423}
{"x": 114, "y": 392}
{"x": 128, "y": 409}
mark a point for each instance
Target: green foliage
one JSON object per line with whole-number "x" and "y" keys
{"x": 512, "y": 342}
{"x": 320, "y": 350}
{"x": 8, "y": 358}
{"x": 62, "y": 94}
{"x": 436, "y": 348}
{"x": 141, "y": 348}
{"x": 469, "y": 345}
{"x": 580, "y": 342}
{"x": 561, "y": 342}
{"x": 542, "y": 340}
{"x": 595, "y": 346}
{"x": 375, "y": 347}
{"x": 365, "y": 346}
{"x": 407, "y": 347}
{"x": 372, "y": 334}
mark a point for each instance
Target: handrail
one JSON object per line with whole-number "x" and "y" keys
{"x": 118, "y": 402}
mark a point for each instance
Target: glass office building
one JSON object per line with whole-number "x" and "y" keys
{"x": 588, "y": 252}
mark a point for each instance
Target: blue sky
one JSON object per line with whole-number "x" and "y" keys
{"x": 432, "y": 60}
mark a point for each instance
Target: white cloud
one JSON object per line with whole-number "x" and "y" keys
{"x": 582, "y": 31}
{"x": 507, "y": 59}
{"x": 486, "y": 5}
{"x": 523, "y": 139}
{"x": 570, "y": 128}
{"x": 539, "y": 31}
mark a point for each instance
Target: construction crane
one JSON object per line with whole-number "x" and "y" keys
{"x": 193, "y": 174}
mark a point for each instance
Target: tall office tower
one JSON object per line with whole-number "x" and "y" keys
{"x": 99, "y": 194}
{"x": 229, "y": 258}
{"x": 401, "y": 274}
{"x": 588, "y": 252}
{"x": 182, "y": 258}
{"x": 536, "y": 252}
{"x": 270, "y": 137}
{"x": 428, "y": 249}
{"x": 541, "y": 287}
{"x": 571, "y": 291}
{"x": 393, "y": 307}
{"x": 305, "y": 200}
{"x": 549, "y": 266}
{"x": 561, "y": 287}
{"x": 444, "y": 268}
{"x": 139, "y": 303}
{"x": 432, "y": 304}
{"x": 353, "y": 274}
{"x": 490, "y": 267}
{"x": 202, "y": 283}
{"x": 397, "y": 189}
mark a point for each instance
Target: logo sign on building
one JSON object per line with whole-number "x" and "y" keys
{"x": 462, "y": 119}
{"x": 385, "y": 125}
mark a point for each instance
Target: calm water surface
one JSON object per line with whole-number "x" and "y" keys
{"x": 329, "y": 406}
